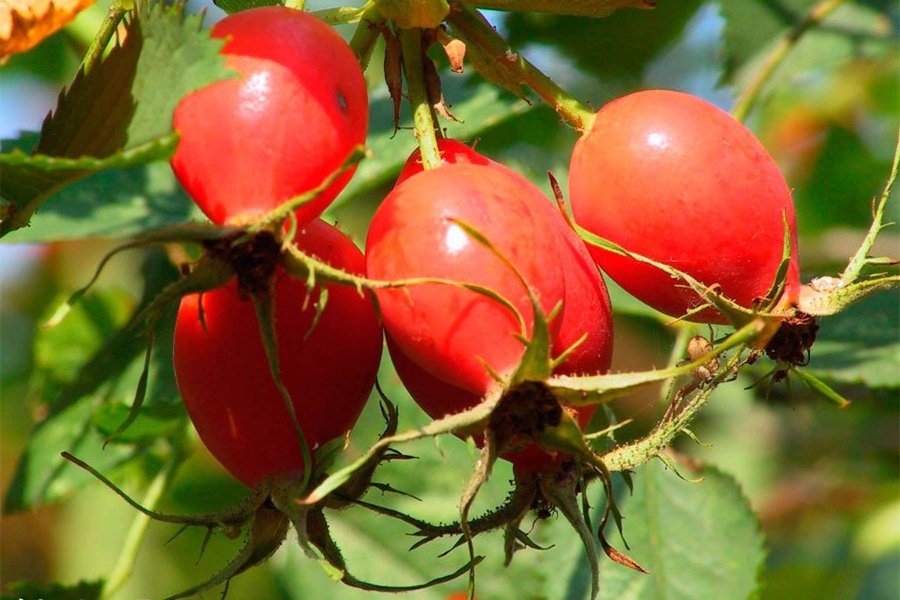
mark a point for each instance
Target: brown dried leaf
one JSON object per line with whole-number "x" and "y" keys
{"x": 393, "y": 71}
{"x": 25, "y": 23}
{"x": 456, "y": 52}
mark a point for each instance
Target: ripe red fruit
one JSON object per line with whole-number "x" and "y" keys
{"x": 300, "y": 106}
{"x": 587, "y": 319}
{"x": 224, "y": 378}
{"x": 673, "y": 178}
{"x": 452, "y": 332}
{"x": 452, "y": 152}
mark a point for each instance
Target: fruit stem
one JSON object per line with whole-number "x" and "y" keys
{"x": 476, "y": 30}
{"x": 124, "y": 567}
{"x": 365, "y": 37}
{"x": 423, "y": 118}
{"x": 748, "y": 98}
{"x": 108, "y": 27}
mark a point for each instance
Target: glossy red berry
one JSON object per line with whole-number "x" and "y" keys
{"x": 224, "y": 378}
{"x": 292, "y": 118}
{"x": 671, "y": 177}
{"x": 586, "y": 320}
{"x": 457, "y": 334}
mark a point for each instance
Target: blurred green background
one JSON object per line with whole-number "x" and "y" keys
{"x": 823, "y": 481}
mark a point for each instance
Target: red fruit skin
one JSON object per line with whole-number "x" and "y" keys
{"x": 248, "y": 145}
{"x": 451, "y": 151}
{"x": 671, "y": 177}
{"x": 587, "y": 307}
{"x": 587, "y": 321}
{"x": 223, "y": 374}
{"x": 450, "y": 330}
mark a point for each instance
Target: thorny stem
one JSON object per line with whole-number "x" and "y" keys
{"x": 108, "y": 27}
{"x": 856, "y": 264}
{"x": 474, "y": 26}
{"x": 748, "y": 98}
{"x": 365, "y": 37}
{"x": 343, "y": 15}
{"x": 629, "y": 456}
{"x": 423, "y": 118}
{"x": 124, "y": 567}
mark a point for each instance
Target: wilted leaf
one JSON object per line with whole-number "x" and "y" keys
{"x": 25, "y": 23}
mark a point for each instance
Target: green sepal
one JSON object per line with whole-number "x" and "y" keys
{"x": 587, "y": 391}
{"x": 821, "y": 388}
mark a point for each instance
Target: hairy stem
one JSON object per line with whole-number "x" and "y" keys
{"x": 629, "y": 456}
{"x": 423, "y": 117}
{"x": 748, "y": 98}
{"x": 108, "y": 27}
{"x": 474, "y": 26}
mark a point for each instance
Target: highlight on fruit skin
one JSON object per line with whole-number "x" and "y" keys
{"x": 298, "y": 110}
{"x": 671, "y": 177}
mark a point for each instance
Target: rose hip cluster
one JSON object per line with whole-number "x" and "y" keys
{"x": 663, "y": 174}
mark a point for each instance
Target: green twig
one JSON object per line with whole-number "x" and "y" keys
{"x": 629, "y": 456}
{"x": 108, "y": 27}
{"x": 478, "y": 31}
{"x": 423, "y": 118}
{"x": 365, "y": 37}
{"x": 748, "y": 98}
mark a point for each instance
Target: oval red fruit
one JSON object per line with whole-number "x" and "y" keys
{"x": 586, "y": 320}
{"x": 292, "y": 118}
{"x": 458, "y": 334}
{"x": 224, "y": 378}
{"x": 671, "y": 177}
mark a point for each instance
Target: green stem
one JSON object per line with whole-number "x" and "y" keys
{"x": 478, "y": 31}
{"x": 124, "y": 567}
{"x": 423, "y": 118}
{"x": 295, "y": 4}
{"x": 748, "y": 98}
{"x": 365, "y": 37}
{"x": 856, "y": 264}
{"x": 630, "y": 456}
{"x": 108, "y": 27}
{"x": 343, "y": 15}
{"x": 679, "y": 348}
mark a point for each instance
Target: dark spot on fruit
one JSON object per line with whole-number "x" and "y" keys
{"x": 342, "y": 102}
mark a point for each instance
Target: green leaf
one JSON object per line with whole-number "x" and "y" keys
{"x": 85, "y": 362}
{"x": 233, "y": 6}
{"x": 114, "y": 203}
{"x": 860, "y": 345}
{"x": 584, "y": 8}
{"x": 26, "y": 590}
{"x": 698, "y": 540}
{"x": 620, "y": 45}
{"x": 120, "y": 111}
{"x": 152, "y": 423}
